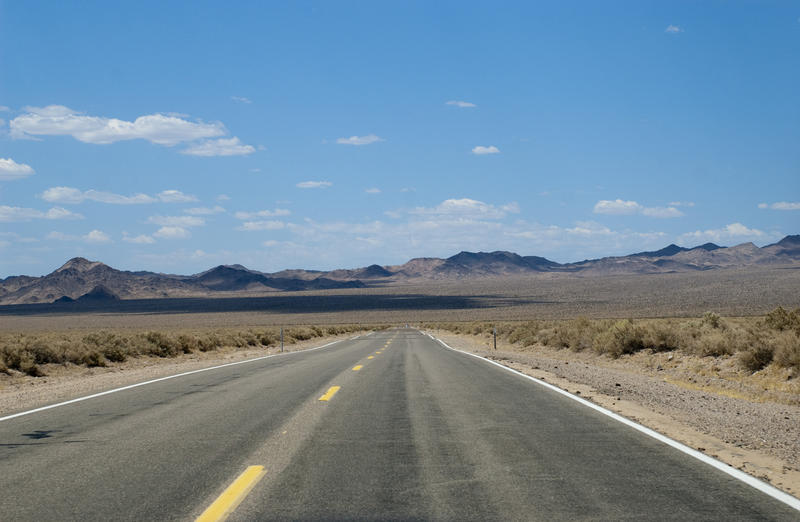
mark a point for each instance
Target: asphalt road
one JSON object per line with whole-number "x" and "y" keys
{"x": 417, "y": 432}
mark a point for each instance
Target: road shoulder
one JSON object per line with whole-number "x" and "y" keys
{"x": 757, "y": 438}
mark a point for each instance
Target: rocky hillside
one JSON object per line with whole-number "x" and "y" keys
{"x": 80, "y": 278}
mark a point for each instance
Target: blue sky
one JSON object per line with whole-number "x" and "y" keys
{"x": 175, "y": 136}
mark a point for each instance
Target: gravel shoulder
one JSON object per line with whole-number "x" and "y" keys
{"x": 677, "y": 398}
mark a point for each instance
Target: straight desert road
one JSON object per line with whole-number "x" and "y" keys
{"x": 408, "y": 430}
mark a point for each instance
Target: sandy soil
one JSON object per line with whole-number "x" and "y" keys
{"x": 676, "y": 397}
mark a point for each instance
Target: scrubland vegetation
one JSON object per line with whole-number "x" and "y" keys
{"x": 756, "y": 342}
{"x": 27, "y": 352}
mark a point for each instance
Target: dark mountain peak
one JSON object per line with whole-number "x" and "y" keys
{"x": 470, "y": 258}
{"x": 790, "y": 241}
{"x": 539, "y": 262}
{"x": 709, "y": 247}
{"x": 64, "y": 299}
{"x": 79, "y": 264}
{"x": 373, "y": 271}
{"x": 99, "y": 293}
{"x": 669, "y": 250}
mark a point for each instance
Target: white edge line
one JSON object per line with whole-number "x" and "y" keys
{"x": 760, "y": 485}
{"x": 107, "y": 392}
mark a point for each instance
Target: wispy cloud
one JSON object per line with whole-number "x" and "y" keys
{"x": 74, "y": 196}
{"x": 94, "y": 236}
{"x": 262, "y": 214}
{"x": 480, "y": 150}
{"x": 467, "y": 208}
{"x": 673, "y": 29}
{"x": 462, "y": 104}
{"x": 162, "y": 129}
{"x": 219, "y": 147}
{"x": 621, "y": 207}
{"x": 373, "y": 190}
{"x": 241, "y": 99}
{"x": 175, "y": 196}
{"x": 735, "y": 231}
{"x": 205, "y": 211}
{"x": 172, "y": 232}
{"x": 781, "y": 205}
{"x": 10, "y": 169}
{"x": 18, "y": 214}
{"x": 252, "y": 226}
{"x": 177, "y": 221}
{"x": 359, "y": 140}
{"x": 141, "y": 239}
{"x": 313, "y": 184}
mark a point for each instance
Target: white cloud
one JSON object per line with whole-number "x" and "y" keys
{"x": 673, "y": 29}
{"x": 141, "y": 239}
{"x": 466, "y": 208}
{"x": 3, "y": 108}
{"x": 175, "y": 196}
{"x": 251, "y": 226}
{"x": 241, "y": 99}
{"x": 732, "y": 231}
{"x": 314, "y": 184}
{"x": 461, "y": 104}
{"x": 219, "y": 147}
{"x": 373, "y": 190}
{"x": 681, "y": 203}
{"x": 10, "y": 169}
{"x": 616, "y": 207}
{"x": 223, "y": 197}
{"x": 619, "y": 207}
{"x": 662, "y": 212}
{"x": 16, "y": 214}
{"x": 177, "y": 221}
{"x": 480, "y": 150}
{"x": 359, "y": 140}
{"x": 172, "y": 232}
{"x": 162, "y": 129}
{"x": 95, "y": 236}
{"x": 205, "y": 211}
{"x": 70, "y": 195}
{"x": 262, "y": 214}
{"x": 781, "y": 205}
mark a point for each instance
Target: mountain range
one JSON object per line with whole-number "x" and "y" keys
{"x": 82, "y": 280}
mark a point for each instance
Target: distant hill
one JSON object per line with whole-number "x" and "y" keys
{"x": 82, "y": 280}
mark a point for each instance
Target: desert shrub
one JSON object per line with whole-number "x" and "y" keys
{"x": 786, "y": 347}
{"x": 187, "y": 343}
{"x": 780, "y": 319}
{"x": 661, "y": 338}
{"x": 712, "y": 320}
{"x": 756, "y": 357}
{"x": 623, "y": 337}
{"x": 159, "y": 344}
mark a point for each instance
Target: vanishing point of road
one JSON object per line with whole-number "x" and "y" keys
{"x": 387, "y": 426}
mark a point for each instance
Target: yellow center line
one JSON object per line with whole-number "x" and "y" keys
{"x": 357, "y": 367}
{"x": 330, "y": 393}
{"x": 221, "y": 508}
{"x": 371, "y": 357}
{"x": 378, "y": 351}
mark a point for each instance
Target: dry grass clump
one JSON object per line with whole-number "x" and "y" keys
{"x": 756, "y": 341}
{"x": 29, "y": 351}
